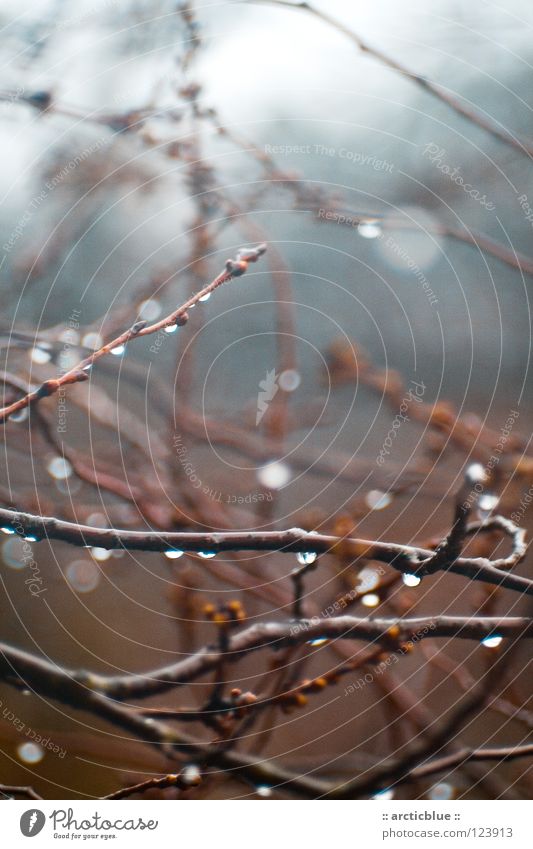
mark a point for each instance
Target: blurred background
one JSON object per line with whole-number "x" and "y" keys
{"x": 142, "y": 144}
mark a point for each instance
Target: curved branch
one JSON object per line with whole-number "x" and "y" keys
{"x": 459, "y": 105}
{"x": 392, "y": 633}
{"x": 404, "y": 558}
{"x": 79, "y": 372}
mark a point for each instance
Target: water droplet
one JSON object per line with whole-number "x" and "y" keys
{"x": 59, "y": 468}
{"x": 173, "y": 553}
{"x": 204, "y": 298}
{"x": 207, "y": 555}
{"x": 83, "y": 575}
{"x": 30, "y": 538}
{"x": 170, "y": 328}
{"x": 384, "y": 795}
{"x": 370, "y": 600}
{"x": 410, "y": 580}
{"x": 441, "y": 792}
{"x": 487, "y": 502}
{"x": 306, "y": 558}
{"x": 264, "y": 791}
{"x": 37, "y": 355}
{"x": 370, "y": 229}
{"x": 475, "y": 473}
{"x": 118, "y": 351}
{"x": 368, "y": 579}
{"x": 100, "y": 553}
{"x": 377, "y": 500}
{"x": 150, "y": 309}
{"x": 93, "y": 341}
{"x": 491, "y": 642}
{"x": 30, "y": 753}
{"x": 191, "y": 775}
{"x": 289, "y": 380}
{"x": 274, "y": 475}
{"x": 7, "y": 530}
{"x": 318, "y": 641}
{"x": 19, "y": 415}
{"x": 15, "y": 553}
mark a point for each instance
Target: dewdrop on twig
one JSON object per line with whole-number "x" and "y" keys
{"x": 173, "y": 553}
{"x": 59, "y": 468}
{"x": 100, "y": 553}
{"x": 410, "y": 580}
{"x": 491, "y": 642}
{"x": 384, "y": 795}
{"x": 487, "y": 503}
{"x": 370, "y": 600}
{"x": 306, "y": 558}
{"x": 475, "y": 473}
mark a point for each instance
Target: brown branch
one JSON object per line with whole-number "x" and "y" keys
{"x": 24, "y": 792}
{"x": 87, "y": 692}
{"x": 79, "y": 372}
{"x": 468, "y": 236}
{"x": 395, "y": 771}
{"x": 465, "y": 754}
{"x": 404, "y": 558}
{"x": 459, "y": 105}
{"x": 392, "y": 633}
{"x": 179, "y": 781}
